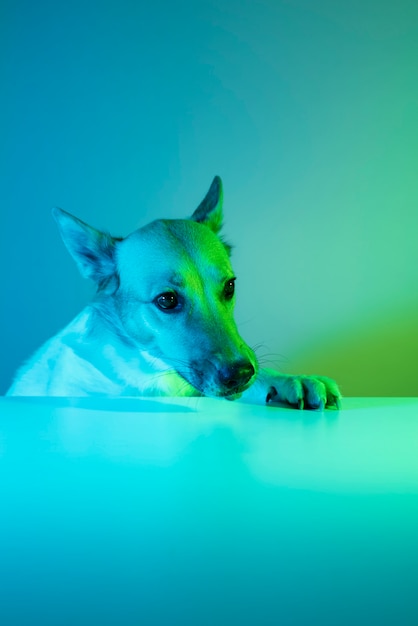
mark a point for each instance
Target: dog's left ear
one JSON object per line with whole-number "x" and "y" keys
{"x": 209, "y": 211}
{"x": 91, "y": 249}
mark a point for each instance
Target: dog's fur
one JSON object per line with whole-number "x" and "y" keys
{"x": 162, "y": 321}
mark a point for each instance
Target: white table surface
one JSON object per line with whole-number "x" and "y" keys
{"x": 206, "y": 512}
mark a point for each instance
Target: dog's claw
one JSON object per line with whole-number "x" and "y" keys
{"x": 304, "y": 392}
{"x": 335, "y": 403}
{"x": 271, "y": 394}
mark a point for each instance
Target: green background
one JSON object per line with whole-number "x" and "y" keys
{"x": 122, "y": 112}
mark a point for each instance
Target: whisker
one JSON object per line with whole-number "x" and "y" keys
{"x": 248, "y": 320}
{"x": 274, "y": 359}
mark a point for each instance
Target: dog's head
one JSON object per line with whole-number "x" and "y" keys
{"x": 170, "y": 287}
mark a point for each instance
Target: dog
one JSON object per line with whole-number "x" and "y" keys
{"x": 162, "y": 321}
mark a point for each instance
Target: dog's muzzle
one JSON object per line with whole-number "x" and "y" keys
{"x": 235, "y": 378}
{"x": 221, "y": 380}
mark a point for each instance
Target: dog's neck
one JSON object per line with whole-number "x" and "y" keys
{"x": 97, "y": 337}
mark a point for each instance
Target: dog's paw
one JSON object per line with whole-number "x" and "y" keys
{"x": 304, "y": 392}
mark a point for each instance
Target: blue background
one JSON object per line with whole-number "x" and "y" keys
{"x": 122, "y": 112}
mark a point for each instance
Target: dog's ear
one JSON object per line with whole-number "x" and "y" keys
{"x": 209, "y": 211}
{"x": 92, "y": 250}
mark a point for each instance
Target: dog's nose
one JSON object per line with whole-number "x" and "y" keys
{"x": 236, "y": 375}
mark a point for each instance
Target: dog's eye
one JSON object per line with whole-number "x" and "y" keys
{"x": 229, "y": 289}
{"x": 167, "y": 301}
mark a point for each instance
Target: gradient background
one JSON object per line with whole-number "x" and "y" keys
{"x": 122, "y": 112}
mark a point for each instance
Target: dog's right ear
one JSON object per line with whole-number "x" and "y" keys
{"x": 209, "y": 211}
{"x": 92, "y": 250}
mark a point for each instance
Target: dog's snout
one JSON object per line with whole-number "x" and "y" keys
{"x": 236, "y": 375}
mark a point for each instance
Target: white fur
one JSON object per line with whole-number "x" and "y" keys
{"x": 126, "y": 344}
{"x": 85, "y": 358}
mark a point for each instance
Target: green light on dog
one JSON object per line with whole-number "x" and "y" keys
{"x": 162, "y": 321}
